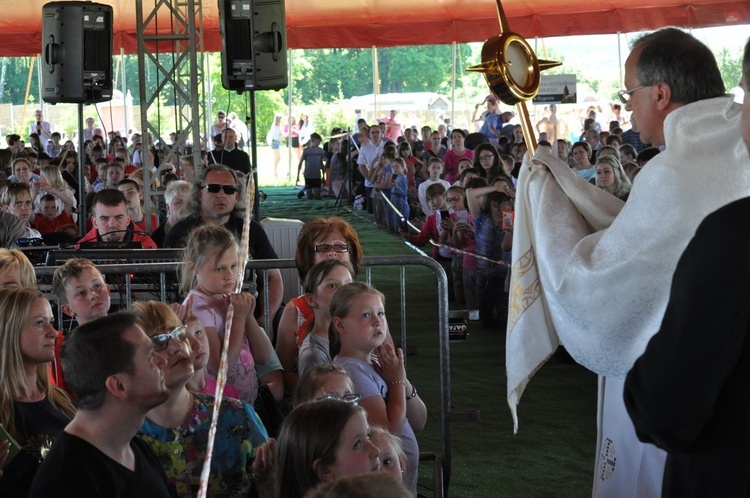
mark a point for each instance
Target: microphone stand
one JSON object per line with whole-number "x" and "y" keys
{"x": 82, "y": 214}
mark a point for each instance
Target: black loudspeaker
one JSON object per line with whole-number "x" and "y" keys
{"x": 76, "y": 52}
{"x": 253, "y": 55}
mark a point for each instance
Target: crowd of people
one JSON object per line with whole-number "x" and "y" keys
{"x": 123, "y": 402}
{"x": 130, "y": 393}
{"x": 455, "y": 188}
{"x": 138, "y": 417}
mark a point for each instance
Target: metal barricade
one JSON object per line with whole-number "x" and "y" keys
{"x": 167, "y": 271}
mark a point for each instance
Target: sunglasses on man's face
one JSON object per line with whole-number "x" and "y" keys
{"x": 161, "y": 341}
{"x": 215, "y": 187}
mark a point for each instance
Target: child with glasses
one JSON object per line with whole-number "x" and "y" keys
{"x": 208, "y": 276}
{"x": 325, "y": 381}
{"x": 177, "y": 430}
{"x": 457, "y": 214}
{"x": 487, "y": 162}
{"x": 320, "y": 284}
{"x": 390, "y": 400}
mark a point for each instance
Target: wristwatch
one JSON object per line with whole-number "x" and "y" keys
{"x": 413, "y": 392}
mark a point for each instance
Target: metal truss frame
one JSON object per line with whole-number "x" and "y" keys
{"x": 183, "y": 38}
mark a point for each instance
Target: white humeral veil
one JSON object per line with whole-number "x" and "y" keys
{"x": 594, "y": 274}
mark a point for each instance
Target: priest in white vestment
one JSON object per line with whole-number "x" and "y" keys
{"x": 593, "y": 273}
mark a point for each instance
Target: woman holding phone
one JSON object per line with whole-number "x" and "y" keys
{"x": 32, "y": 411}
{"x": 490, "y": 206}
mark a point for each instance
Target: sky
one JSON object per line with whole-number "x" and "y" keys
{"x": 601, "y": 50}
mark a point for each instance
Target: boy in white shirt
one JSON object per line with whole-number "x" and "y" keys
{"x": 434, "y": 170}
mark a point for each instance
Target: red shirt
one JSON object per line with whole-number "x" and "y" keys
{"x": 55, "y": 367}
{"x": 45, "y": 226}
{"x": 141, "y": 226}
{"x": 93, "y": 236}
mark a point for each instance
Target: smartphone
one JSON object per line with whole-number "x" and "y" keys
{"x": 508, "y": 220}
{"x": 14, "y": 446}
{"x": 445, "y": 215}
{"x": 462, "y": 216}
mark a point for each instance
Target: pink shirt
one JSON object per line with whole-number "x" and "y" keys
{"x": 212, "y": 312}
{"x": 451, "y": 164}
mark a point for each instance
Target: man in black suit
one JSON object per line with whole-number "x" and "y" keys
{"x": 230, "y": 155}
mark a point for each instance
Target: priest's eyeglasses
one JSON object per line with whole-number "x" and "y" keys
{"x": 625, "y": 95}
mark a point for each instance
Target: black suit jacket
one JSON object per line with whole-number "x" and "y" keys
{"x": 689, "y": 393}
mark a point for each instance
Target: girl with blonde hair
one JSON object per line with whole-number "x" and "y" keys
{"x": 611, "y": 177}
{"x": 51, "y": 182}
{"x": 32, "y": 410}
{"x": 16, "y": 271}
{"x": 208, "y": 276}
{"x": 390, "y": 400}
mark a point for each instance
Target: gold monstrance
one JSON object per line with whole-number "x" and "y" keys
{"x": 512, "y": 69}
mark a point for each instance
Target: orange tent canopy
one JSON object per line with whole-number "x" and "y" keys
{"x": 364, "y": 23}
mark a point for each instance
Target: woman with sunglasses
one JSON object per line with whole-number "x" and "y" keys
{"x": 177, "y": 430}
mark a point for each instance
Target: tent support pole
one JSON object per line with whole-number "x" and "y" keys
{"x": 290, "y": 91}
{"x": 375, "y": 81}
{"x": 619, "y": 60}
{"x": 28, "y": 89}
{"x": 453, "y": 86}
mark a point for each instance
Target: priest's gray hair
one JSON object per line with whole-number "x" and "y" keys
{"x": 678, "y": 59}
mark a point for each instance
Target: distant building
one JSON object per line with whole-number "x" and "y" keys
{"x": 414, "y": 108}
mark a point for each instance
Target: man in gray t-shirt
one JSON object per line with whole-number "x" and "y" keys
{"x": 11, "y": 229}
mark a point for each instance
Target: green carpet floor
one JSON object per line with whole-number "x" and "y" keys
{"x": 553, "y": 453}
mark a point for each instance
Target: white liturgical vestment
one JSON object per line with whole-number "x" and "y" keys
{"x": 594, "y": 273}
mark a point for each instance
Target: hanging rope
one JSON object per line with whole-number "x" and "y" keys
{"x": 438, "y": 244}
{"x": 221, "y": 376}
